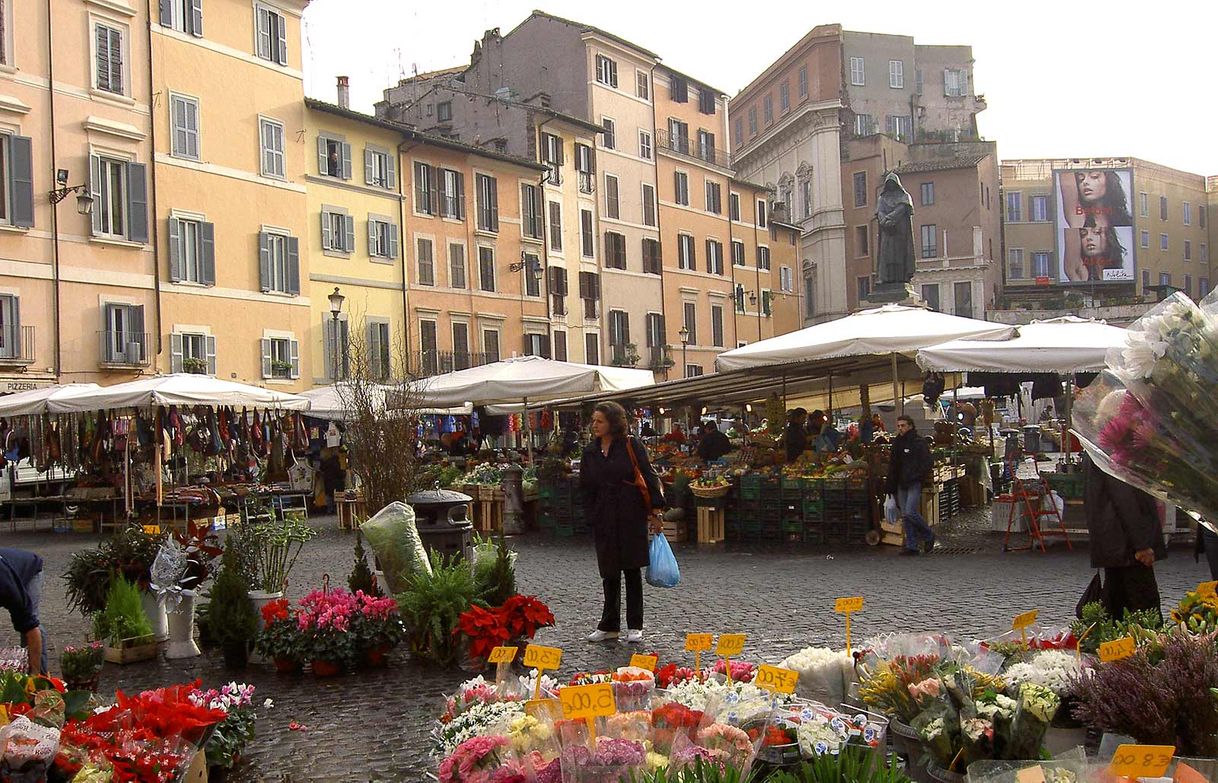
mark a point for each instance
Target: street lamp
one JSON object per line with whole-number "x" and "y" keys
{"x": 336, "y": 307}
{"x": 84, "y": 201}
{"x": 684, "y": 335}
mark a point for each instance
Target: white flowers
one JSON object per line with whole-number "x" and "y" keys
{"x": 1051, "y": 669}
{"x": 818, "y": 736}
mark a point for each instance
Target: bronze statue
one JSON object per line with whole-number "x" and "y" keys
{"x": 895, "y": 257}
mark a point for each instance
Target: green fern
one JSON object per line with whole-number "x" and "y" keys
{"x": 431, "y": 605}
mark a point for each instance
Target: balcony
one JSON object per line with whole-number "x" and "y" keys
{"x": 683, "y": 147}
{"x": 623, "y": 354}
{"x": 424, "y": 364}
{"x": 660, "y": 359}
{"x": 16, "y": 344}
{"x": 587, "y": 181}
{"x": 123, "y": 349}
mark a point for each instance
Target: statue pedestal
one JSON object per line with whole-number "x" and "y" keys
{"x": 894, "y": 293}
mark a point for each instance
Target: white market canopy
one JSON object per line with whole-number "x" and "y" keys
{"x": 38, "y": 401}
{"x": 1059, "y": 345}
{"x": 183, "y": 389}
{"x": 889, "y": 329}
{"x": 333, "y": 402}
{"x": 527, "y": 378}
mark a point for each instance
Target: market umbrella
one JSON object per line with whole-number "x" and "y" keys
{"x": 185, "y": 389}
{"x": 38, "y": 401}
{"x": 330, "y": 402}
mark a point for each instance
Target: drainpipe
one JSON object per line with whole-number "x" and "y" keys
{"x": 155, "y": 221}
{"x": 54, "y": 207}
{"x": 655, "y": 167}
{"x": 403, "y": 148}
{"x": 545, "y": 242}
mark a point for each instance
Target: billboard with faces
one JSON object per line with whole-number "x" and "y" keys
{"x": 1094, "y": 225}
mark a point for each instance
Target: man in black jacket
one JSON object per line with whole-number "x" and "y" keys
{"x": 907, "y": 467}
{"x": 714, "y": 444}
{"x": 1126, "y": 540}
{"x": 20, "y": 594}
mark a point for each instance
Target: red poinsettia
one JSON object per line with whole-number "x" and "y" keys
{"x": 164, "y": 712}
{"x": 524, "y": 614}
{"x": 485, "y": 629}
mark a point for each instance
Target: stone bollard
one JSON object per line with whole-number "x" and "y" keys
{"x": 513, "y": 500}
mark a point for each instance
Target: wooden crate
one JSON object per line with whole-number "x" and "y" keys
{"x": 675, "y": 531}
{"x": 131, "y": 651}
{"x": 710, "y": 525}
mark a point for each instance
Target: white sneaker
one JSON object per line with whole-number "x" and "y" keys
{"x": 634, "y": 636}
{"x": 600, "y": 636}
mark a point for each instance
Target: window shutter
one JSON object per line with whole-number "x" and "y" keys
{"x": 459, "y": 196}
{"x": 494, "y": 204}
{"x": 393, "y": 240}
{"x": 207, "y": 242}
{"x": 282, "y": 52}
{"x": 266, "y": 357}
{"x": 584, "y": 286}
{"x": 369, "y": 167}
{"x": 391, "y": 176}
{"x": 546, "y": 348}
{"x": 176, "y": 272}
{"x": 264, "y": 33}
{"x": 349, "y": 231}
{"x": 374, "y": 353}
{"x": 137, "y": 203}
{"x": 116, "y": 62}
{"x": 264, "y": 261}
{"x": 22, "y": 181}
{"x": 327, "y": 345}
{"x": 135, "y": 329}
{"x": 346, "y": 169}
{"x": 433, "y": 178}
{"x": 441, "y": 191}
{"x": 294, "y": 357}
{"x": 196, "y": 18}
{"x": 166, "y": 13}
{"x": 293, "y": 245}
{"x": 327, "y": 237}
{"x": 372, "y": 251}
{"x": 693, "y": 256}
{"x": 175, "y": 353}
{"x": 95, "y": 178}
{"x": 323, "y": 161}
{"x": 210, "y": 348}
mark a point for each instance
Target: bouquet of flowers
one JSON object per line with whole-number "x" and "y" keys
{"x": 1197, "y": 614}
{"x": 1051, "y": 669}
{"x": 475, "y": 721}
{"x": 633, "y": 688}
{"x": 742, "y": 671}
{"x": 887, "y": 687}
{"x": 670, "y": 674}
{"x": 670, "y": 720}
{"x": 28, "y": 749}
{"x": 825, "y": 675}
{"x": 474, "y": 760}
{"x": 519, "y": 617}
{"x": 231, "y": 735}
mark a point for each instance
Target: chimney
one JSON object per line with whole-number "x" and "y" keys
{"x": 344, "y": 93}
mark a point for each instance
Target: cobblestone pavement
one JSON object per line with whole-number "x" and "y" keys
{"x": 374, "y": 725}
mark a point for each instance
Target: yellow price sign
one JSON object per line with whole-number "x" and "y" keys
{"x": 647, "y": 662}
{"x": 776, "y": 679}
{"x": 1142, "y": 761}
{"x": 847, "y": 605}
{"x": 538, "y": 657}
{"x": 502, "y": 655}
{"x": 699, "y": 642}
{"x": 543, "y": 709}
{"x": 730, "y": 645}
{"x": 152, "y": 530}
{"x": 587, "y": 701}
{"x": 1208, "y": 590}
{"x": 1117, "y": 649}
{"x": 1034, "y": 774}
{"x": 1022, "y": 621}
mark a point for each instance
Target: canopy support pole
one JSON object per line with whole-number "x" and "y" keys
{"x": 1069, "y": 417}
{"x": 898, "y": 404}
{"x": 528, "y": 434}
{"x": 829, "y": 411}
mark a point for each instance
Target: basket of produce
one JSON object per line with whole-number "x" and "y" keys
{"x": 709, "y": 487}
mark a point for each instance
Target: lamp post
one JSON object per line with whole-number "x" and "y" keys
{"x": 684, "y": 335}
{"x": 336, "y": 307}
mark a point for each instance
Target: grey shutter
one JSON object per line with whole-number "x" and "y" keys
{"x": 327, "y": 238}
{"x": 369, "y": 176}
{"x": 135, "y": 328}
{"x": 294, "y": 357}
{"x": 393, "y": 240}
{"x": 266, "y": 357}
{"x": 264, "y": 261}
{"x": 327, "y": 347}
{"x": 176, "y": 272}
{"x": 137, "y": 202}
{"x": 167, "y": 13}
{"x": 293, "y": 245}
{"x": 546, "y": 349}
{"x": 433, "y": 191}
{"x": 374, "y": 352}
{"x": 22, "y": 181}
{"x": 95, "y": 183}
{"x": 107, "y": 338}
{"x": 281, "y": 53}
{"x": 441, "y": 193}
{"x": 175, "y": 352}
{"x": 323, "y": 162}
{"x": 460, "y": 196}
{"x": 493, "y": 203}
{"x": 210, "y": 347}
{"x": 391, "y": 175}
{"x": 207, "y": 242}
{"x": 196, "y": 18}
{"x": 371, "y": 237}
{"x": 349, "y": 233}
{"x": 102, "y": 77}
{"x": 346, "y": 162}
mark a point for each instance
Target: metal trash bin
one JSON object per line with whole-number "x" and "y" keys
{"x": 441, "y": 518}
{"x": 1031, "y": 439}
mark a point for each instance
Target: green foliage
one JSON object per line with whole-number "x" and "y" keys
{"x": 496, "y": 578}
{"x": 1100, "y": 627}
{"x": 123, "y": 617}
{"x": 276, "y": 546}
{"x": 431, "y": 605}
{"x": 90, "y": 571}
{"x": 852, "y": 765}
{"x": 231, "y": 615}
{"x": 230, "y": 738}
{"x": 700, "y": 772}
{"x": 81, "y": 663}
{"x": 362, "y": 577}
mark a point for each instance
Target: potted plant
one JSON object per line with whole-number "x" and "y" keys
{"x": 228, "y": 739}
{"x": 182, "y": 564}
{"x": 327, "y": 637}
{"x": 280, "y": 639}
{"x": 431, "y": 605}
{"x": 81, "y": 665}
{"x": 281, "y": 369}
{"x": 231, "y": 617}
{"x": 123, "y": 626}
{"x": 131, "y": 553}
{"x": 192, "y": 364}
{"x": 275, "y": 547}
{"x": 378, "y": 627}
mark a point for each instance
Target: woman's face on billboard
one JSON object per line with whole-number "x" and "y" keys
{"x": 1094, "y": 242}
{"x": 1092, "y": 186}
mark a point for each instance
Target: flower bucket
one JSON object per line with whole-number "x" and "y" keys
{"x": 260, "y": 598}
{"x": 941, "y": 775}
{"x": 154, "y": 607}
{"x": 287, "y": 665}
{"x": 326, "y": 669}
{"x": 905, "y": 740}
{"x": 89, "y": 684}
{"x": 182, "y": 629}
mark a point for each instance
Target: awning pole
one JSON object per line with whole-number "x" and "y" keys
{"x": 528, "y": 434}
{"x": 895, "y": 392}
{"x": 1069, "y": 416}
{"x": 830, "y": 410}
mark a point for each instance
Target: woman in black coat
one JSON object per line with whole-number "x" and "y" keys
{"x": 1126, "y": 540}
{"x": 618, "y": 517}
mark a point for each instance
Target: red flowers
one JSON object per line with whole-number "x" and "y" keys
{"x": 518, "y": 618}
{"x": 523, "y": 615}
{"x": 274, "y": 611}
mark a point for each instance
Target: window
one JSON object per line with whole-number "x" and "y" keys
{"x": 425, "y": 189}
{"x": 587, "y": 241}
{"x": 429, "y": 347}
{"x": 706, "y": 146}
{"x": 615, "y": 250}
{"x": 1187, "y": 210}
{"x": 1203, "y": 287}
{"x": 333, "y": 157}
{"x": 1188, "y": 250}
{"x": 1015, "y": 264}
{"x": 184, "y": 115}
{"x": 590, "y": 292}
{"x": 737, "y": 253}
{"x": 1145, "y": 280}
{"x": 786, "y": 279}
{"x": 271, "y": 136}
{"x": 1163, "y": 242}
{"x": 583, "y": 167}
{"x": 532, "y": 274}
{"x": 380, "y": 365}
{"x": 1145, "y": 235}
{"x": 555, "y": 226}
{"x": 752, "y": 121}
{"x": 192, "y": 251}
{"x": 486, "y": 268}
{"x": 16, "y": 178}
{"x": 185, "y": 16}
{"x": 896, "y": 74}
{"x": 280, "y": 358}
{"x": 456, "y": 266}
{"x": 928, "y": 193}
{"x": 714, "y": 198}
{"x": 784, "y": 97}
{"x": 706, "y": 101}
{"x": 930, "y": 239}
{"x": 930, "y": 295}
{"x": 552, "y": 157}
{"x": 761, "y": 213}
{"x": 272, "y": 35}
{"x": 279, "y": 263}
{"x": 336, "y": 334}
{"x": 714, "y": 257}
{"x": 530, "y": 211}
{"x": 678, "y": 135}
{"x": 733, "y": 206}
{"x": 1162, "y": 207}
{"x": 954, "y": 83}
{"x": 681, "y": 188}
{"x": 685, "y": 253}
{"x": 608, "y": 136}
{"x": 803, "y": 81}
{"x": 192, "y": 352}
{"x": 860, "y": 188}
{"x": 444, "y": 111}
{"x": 612, "y": 204}
{"x": 856, "y": 71}
{"x": 592, "y": 349}
{"x": 1201, "y": 215}
{"x": 619, "y": 333}
{"x": 767, "y": 303}
{"x": 738, "y": 295}
{"x": 560, "y": 346}
{"x": 767, "y": 107}
{"x": 426, "y": 262}
{"x": 108, "y": 58}
{"x": 1164, "y": 278}
{"x": 450, "y": 196}
{"x": 488, "y": 202}
{"x": 337, "y": 231}
{"x": 810, "y": 294}
{"x": 644, "y": 145}
{"x": 690, "y": 313}
{"x": 124, "y": 340}
{"x": 693, "y": 371}
{"x": 805, "y": 189}
{"x": 1042, "y": 265}
{"x": 1188, "y": 284}
{"x": 864, "y": 125}
{"x": 738, "y": 136}
{"x": 1014, "y": 207}
{"x": 606, "y": 70}
{"x": 649, "y": 205}
{"x": 642, "y": 85}
{"x": 558, "y": 290}
{"x": 678, "y": 89}
{"x": 861, "y": 241}
{"x": 655, "y": 334}
{"x": 120, "y": 198}
{"x": 1039, "y": 207}
{"x": 763, "y": 257}
{"x": 379, "y": 169}
{"x": 918, "y": 81}
{"x": 490, "y": 345}
{"x": 653, "y": 263}
{"x": 382, "y": 237}
{"x": 1205, "y": 253}
{"x": 1144, "y": 204}
{"x": 717, "y": 325}
{"x": 863, "y": 285}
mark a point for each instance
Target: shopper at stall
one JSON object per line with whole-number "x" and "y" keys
{"x": 333, "y": 477}
{"x": 617, "y": 510}
{"x": 20, "y": 593}
{"x": 1126, "y": 540}
{"x": 795, "y": 439}
{"x": 907, "y": 467}
{"x": 714, "y": 444}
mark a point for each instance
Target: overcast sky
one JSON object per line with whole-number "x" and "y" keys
{"x": 1062, "y": 78}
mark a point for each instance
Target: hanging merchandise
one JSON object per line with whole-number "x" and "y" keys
{"x": 300, "y": 440}
{"x": 547, "y": 419}
{"x": 333, "y": 436}
{"x": 932, "y": 387}
{"x": 1046, "y": 386}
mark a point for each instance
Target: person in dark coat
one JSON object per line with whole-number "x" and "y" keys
{"x": 1126, "y": 540}
{"x": 714, "y": 444}
{"x": 796, "y": 436}
{"x": 618, "y": 516}
{"x": 20, "y": 594}
{"x": 907, "y": 467}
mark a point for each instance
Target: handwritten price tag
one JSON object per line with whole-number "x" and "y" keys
{"x": 699, "y": 642}
{"x": 847, "y": 605}
{"x": 647, "y": 662}
{"x": 1142, "y": 761}
{"x": 776, "y": 679}
{"x": 1208, "y": 590}
{"x": 152, "y": 530}
{"x": 538, "y": 657}
{"x": 1024, "y": 620}
{"x": 502, "y": 655}
{"x": 543, "y": 709}
{"x": 587, "y": 701}
{"x": 1031, "y": 775}
{"x": 730, "y": 645}
{"x": 1117, "y": 649}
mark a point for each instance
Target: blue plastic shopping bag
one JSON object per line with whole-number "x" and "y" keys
{"x": 662, "y": 570}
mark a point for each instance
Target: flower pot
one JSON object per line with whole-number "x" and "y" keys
{"x": 377, "y": 657}
{"x": 87, "y": 684}
{"x": 940, "y": 775}
{"x": 287, "y": 665}
{"x": 260, "y": 598}
{"x": 182, "y": 628}
{"x": 236, "y": 656}
{"x": 154, "y": 607}
{"x": 905, "y": 739}
{"x": 326, "y": 668}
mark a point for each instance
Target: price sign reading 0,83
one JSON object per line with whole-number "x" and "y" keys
{"x": 1142, "y": 761}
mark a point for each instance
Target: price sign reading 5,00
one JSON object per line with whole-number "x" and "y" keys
{"x": 587, "y": 701}
{"x": 776, "y": 679}
{"x": 730, "y": 645}
{"x": 1142, "y": 761}
{"x": 538, "y": 657}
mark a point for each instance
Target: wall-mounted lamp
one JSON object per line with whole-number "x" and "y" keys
{"x": 84, "y": 201}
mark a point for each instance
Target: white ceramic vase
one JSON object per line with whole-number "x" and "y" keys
{"x": 182, "y": 628}
{"x": 154, "y": 607}
{"x": 260, "y": 598}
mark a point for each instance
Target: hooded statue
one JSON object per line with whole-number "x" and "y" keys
{"x": 895, "y": 259}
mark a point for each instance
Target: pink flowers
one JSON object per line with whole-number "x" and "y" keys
{"x": 742, "y": 671}
{"x": 337, "y": 609}
{"x": 927, "y": 689}
{"x": 473, "y": 755}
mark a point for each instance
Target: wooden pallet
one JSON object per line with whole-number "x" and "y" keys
{"x": 710, "y": 525}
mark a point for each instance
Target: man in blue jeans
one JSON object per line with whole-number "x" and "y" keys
{"x": 20, "y": 593}
{"x": 907, "y": 467}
